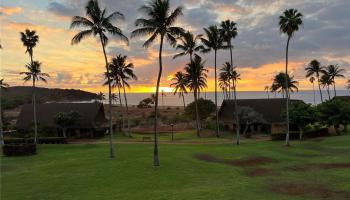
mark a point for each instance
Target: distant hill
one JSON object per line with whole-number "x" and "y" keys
{"x": 19, "y": 95}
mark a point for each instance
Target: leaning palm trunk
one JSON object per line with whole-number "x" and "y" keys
{"x": 216, "y": 101}
{"x": 121, "y": 108}
{"x": 313, "y": 88}
{"x": 329, "y": 94}
{"x": 1, "y": 128}
{"x": 155, "y": 152}
{"x": 319, "y": 86}
{"x": 111, "y": 146}
{"x": 127, "y": 110}
{"x": 197, "y": 113}
{"x": 335, "y": 91}
{"x": 183, "y": 100}
{"x": 236, "y": 114}
{"x": 287, "y": 95}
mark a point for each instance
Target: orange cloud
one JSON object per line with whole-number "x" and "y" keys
{"x": 10, "y": 10}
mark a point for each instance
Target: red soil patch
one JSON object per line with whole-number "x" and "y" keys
{"x": 247, "y": 162}
{"x": 260, "y": 172}
{"x": 312, "y": 167}
{"x": 312, "y": 190}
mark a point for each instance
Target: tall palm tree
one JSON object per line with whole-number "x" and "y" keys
{"x": 326, "y": 82}
{"x": 189, "y": 45}
{"x": 312, "y": 81}
{"x": 179, "y": 83}
{"x": 335, "y": 71}
{"x": 98, "y": 23}
{"x": 196, "y": 78}
{"x": 225, "y": 75}
{"x": 213, "y": 42}
{"x": 224, "y": 84}
{"x": 279, "y": 85}
{"x": 315, "y": 68}
{"x": 267, "y": 88}
{"x": 30, "y": 39}
{"x": 289, "y": 23}
{"x": 235, "y": 78}
{"x": 229, "y": 32}
{"x": 159, "y": 23}
{"x": 34, "y": 73}
{"x": 4, "y": 86}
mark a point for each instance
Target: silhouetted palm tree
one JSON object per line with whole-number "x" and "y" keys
{"x": 267, "y": 88}
{"x": 326, "y": 81}
{"x": 335, "y": 71}
{"x": 30, "y": 39}
{"x": 279, "y": 85}
{"x": 224, "y": 85}
{"x": 159, "y": 23}
{"x": 289, "y": 23}
{"x": 189, "y": 45}
{"x": 101, "y": 97}
{"x": 312, "y": 81}
{"x": 229, "y": 32}
{"x": 213, "y": 42}
{"x": 179, "y": 83}
{"x": 315, "y": 68}
{"x": 225, "y": 75}
{"x": 98, "y": 23}
{"x": 4, "y": 86}
{"x": 196, "y": 78}
{"x": 34, "y": 73}
{"x": 235, "y": 78}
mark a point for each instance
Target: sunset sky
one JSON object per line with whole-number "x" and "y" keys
{"x": 259, "y": 49}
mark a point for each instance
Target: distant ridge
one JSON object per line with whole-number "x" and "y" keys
{"x": 19, "y": 95}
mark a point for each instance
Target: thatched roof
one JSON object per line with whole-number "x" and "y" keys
{"x": 271, "y": 109}
{"x": 91, "y": 114}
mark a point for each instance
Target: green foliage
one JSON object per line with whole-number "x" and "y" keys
{"x": 335, "y": 112}
{"x": 205, "y": 108}
{"x": 146, "y": 103}
{"x": 301, "y": 114}
{"x": 65, "y": 120}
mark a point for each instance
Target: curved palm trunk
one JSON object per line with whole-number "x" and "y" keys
{"x": 155, "y": 152}
{"x": 287, "y": 95}
{"x": 111, "y": 146}
{"x": 1, "y": 128}
{"x": 313, "y": 88}
{"x": 216, "y": 101}
{"x": 121, "y": 108}
{"x": 329, "y": 94}
{"x": 319, "y": 86}
{"x": 236, "y": 114}
{"x": 183, "y": 100}
{"x": 335, "y": 91}
{"x": 197, "y": 113}
{"x": 127, "y": 110}
{"x": 35, "y": 117}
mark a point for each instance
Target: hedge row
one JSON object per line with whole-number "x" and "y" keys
{"x": 46, "y": 140}
{"x": 323, "y": 132}
{"x": 19, "y": 149}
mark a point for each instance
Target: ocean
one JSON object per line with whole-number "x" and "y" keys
{"x": 174, "y": 100}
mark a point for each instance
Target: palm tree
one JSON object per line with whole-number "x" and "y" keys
{"x": 315, "y": 68}
{"x": 101, "y": 97}
{"x": 4, "y": 86}
{"x": 327, "y": 81}
{"x": 189, "y": 45}
{"x": 289, "y": 23}
{"x": 179, "y": 83}
{"x": 114, "y": 98}
{"x": 279, "y": 85}
{"x": 348, "y": 85}
{"x": 226, "y": 76}
{"x": 30, "y": 39}
{"x": 267, "y": 88}
{"x": 163, "y": 95}
{"x": 235, "y": 78}
{"x": 312, "y": 81}
{"x": 335, "y": 71}
{"x": 224, "y": 84}
{"x": 196, "y": 76}
{"x": 34, "y": 73}
{"x": 160, "y": 23}
{"x": 229, "y": 32}
{"x": 98, "y": 23}
{"x": 213, "y": 42}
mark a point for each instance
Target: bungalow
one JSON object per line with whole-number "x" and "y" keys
{"x": 271, "y": 111}
{"x": 91, "y": 121}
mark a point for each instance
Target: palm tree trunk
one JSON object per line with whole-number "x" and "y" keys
{"x": 216, "y": 100}
{"x": 111, "y": 146}
{"x": 64, "y": 132}
{"x": 35, "y": 119}
{"x": 121, "y": 108}
{"x": 329, "y": 94}
{"x": 183, "y": 99}
{"x": 1, "y": 128}
{"x": 236, "y": 114}
{"x": 300, "y": 133}
{"x": 155, "y": 152}
{"x": 319, "y": 86}
{"x": 127, "y": 109}
{"x": 313, "y": 88}
{"x": 335, "y": 91}
{"x": 287, "y": 95}
{"x": 197, "y": 113}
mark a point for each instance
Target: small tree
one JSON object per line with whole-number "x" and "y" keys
{"x": 334, "y": 113}
{"x": 301, "y": 114}
{"x": 205, "y": 108}
{"x": 249, "y": 116}
{"x": 66, "y": 120}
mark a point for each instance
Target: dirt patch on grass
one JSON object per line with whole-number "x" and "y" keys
{"x": 313, "y": 167}
{"x": 261, "y": 172}
{"x": 311, "y": 190}
{"x": 246, "y": 162}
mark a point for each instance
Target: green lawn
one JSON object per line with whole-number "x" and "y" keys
{"x": 85, "y": 172}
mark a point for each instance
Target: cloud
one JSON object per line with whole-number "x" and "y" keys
{"x": 10, "y": 10}
{"x": 62, "y": 9}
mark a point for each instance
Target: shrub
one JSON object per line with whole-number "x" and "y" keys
{"x": 45, "y": 140}
{"x": 205, "y": 108}
{"x": 211, "y": 124}
{"x": 20, "y": 149}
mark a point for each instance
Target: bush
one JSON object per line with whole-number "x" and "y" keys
{"x": 314, "y": 133}
{"x": 21, "y": 149}
{"x": 282, "y": 136}
{"x": 205, "y": 108}
{"x": 45, "y": 140}
{"x": 211, "y": 124}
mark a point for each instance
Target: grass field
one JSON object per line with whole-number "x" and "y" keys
{"x": 314, "y": 169}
